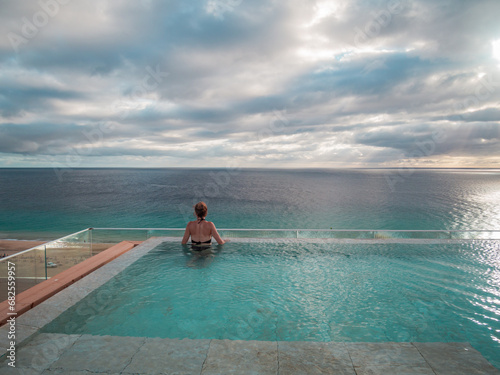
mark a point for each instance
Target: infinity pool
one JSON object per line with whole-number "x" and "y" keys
{"x": 354, "y": 292}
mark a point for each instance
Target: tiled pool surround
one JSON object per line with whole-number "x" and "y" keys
{"x": 50, "y": 353}
{"x": 27, "y": 325}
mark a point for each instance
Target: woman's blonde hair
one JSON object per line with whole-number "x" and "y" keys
{"x": 200, "y": 209}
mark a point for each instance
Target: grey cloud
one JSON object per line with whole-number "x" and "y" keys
{"x": 479, "y": 139}
{"x": 56, "y": 139}
{"x": 17, "y": 98}
{"x": 228, "y": 74}
{"x": 485, "y": 115}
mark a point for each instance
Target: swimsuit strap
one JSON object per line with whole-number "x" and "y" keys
{"x": 200, "y": 220}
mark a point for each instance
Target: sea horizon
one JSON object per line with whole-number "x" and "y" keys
{"x": 263, "y": 168}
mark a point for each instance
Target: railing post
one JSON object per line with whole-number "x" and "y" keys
{"x": 45, "y": 262}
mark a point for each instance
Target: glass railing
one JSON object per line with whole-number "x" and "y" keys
{"x": 42, "y": 262}
{"x": 115, "y": 235}
{"x": 39, "y": 263}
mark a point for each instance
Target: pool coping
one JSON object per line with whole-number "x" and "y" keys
{"x": 346, "y": 240}
{"x": 28, "y": 325}
{"x": 55, "y": 353}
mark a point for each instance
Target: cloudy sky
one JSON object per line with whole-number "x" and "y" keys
{"x": 250, "y": 83}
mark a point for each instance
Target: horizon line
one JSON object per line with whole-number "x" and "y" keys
{"x": 263, "y": 168}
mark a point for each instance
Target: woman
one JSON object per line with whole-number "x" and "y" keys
{"x": 201, "y": 231}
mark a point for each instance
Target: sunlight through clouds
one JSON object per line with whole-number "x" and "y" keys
{"x": 322, "y": 9}
{"x": 496, "y": 49}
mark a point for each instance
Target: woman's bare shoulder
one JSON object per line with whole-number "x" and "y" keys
{"x": 212, "y": 225}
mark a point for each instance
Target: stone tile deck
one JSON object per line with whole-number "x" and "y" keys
{"x": 51, "y": 353}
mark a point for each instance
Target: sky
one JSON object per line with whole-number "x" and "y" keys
{"x": 240, "y": 83}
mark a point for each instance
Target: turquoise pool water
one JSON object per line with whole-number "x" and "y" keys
{"x": 351, "y": 292}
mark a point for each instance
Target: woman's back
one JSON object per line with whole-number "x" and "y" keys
{"x": 200, "y": 230}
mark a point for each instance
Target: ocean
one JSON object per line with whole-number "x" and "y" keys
{"x": 49, "y": 203}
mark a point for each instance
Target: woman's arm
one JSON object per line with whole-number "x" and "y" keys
{"x": 186, "y": 235}
{"x": 219, "y": 240}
